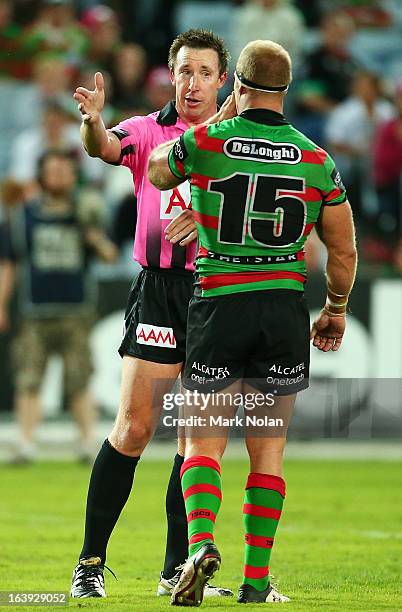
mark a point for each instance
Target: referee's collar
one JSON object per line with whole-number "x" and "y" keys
{"x": 265, "y": 116}
{"x": 168, "y": 115}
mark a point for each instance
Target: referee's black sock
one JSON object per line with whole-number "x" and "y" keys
{"x": 177, "y": 538}
{"x": 110, "y": 485}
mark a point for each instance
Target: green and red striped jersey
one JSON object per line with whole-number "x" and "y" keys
{"x": 257, "y": 188}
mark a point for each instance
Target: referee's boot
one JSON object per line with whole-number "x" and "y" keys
{"x": 88, "y": 579}
{"x": 248, "y": 594}
{"x": 197, "y": 570}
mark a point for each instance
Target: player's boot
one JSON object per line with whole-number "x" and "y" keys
{"x": 197, "y": 570}
{"x": 166, "y": 586}
{"x": 248, "y": 594}
{"x": 88, "y": 579}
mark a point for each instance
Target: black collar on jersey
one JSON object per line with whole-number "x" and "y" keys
{"x": 265, "y": 116}
{"x": 252, "y": 85}
{"x": 168, "y": 115}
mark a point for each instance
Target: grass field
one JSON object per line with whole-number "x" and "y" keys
{"x": 338, "y": 547}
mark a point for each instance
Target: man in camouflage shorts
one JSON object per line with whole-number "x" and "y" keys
{"x": 47, "y": 241}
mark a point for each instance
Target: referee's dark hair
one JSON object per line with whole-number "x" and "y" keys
{"x": 200, "y": 39}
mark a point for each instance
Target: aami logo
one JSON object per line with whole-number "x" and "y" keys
{"x": 155, "y": 336}
{"x": 174, "y": 201}
{"x": 261, "y": 150}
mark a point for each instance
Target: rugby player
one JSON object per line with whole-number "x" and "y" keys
{"x": 153, "y": 347}
{"x": 258, "y": 187}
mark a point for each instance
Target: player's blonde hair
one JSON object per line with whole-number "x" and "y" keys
{"x": 265, "y": 63}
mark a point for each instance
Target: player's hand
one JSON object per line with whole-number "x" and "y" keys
{"x": 228, "y": 109}
{"x": 182, "y": 229}
{"x": 327, "y": 332}
{"x": 91, "y": 103}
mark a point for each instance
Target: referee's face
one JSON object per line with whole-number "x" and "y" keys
{"x": 197, "y": 80}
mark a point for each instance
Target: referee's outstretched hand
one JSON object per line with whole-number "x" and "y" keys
{"x": 327, "y": 332}
{"x": 91, "y": 102}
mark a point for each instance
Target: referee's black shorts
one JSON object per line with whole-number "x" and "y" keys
{"x": 155, "y": 323}
{"x": 261, "y": 337}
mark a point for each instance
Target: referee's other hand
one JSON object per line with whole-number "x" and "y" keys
{"x": 182, "y": 229}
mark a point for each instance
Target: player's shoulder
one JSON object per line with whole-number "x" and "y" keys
{"x": 223, "y": 127}
{"x": 222, "y": 130}
{"x": 312, "y": 152}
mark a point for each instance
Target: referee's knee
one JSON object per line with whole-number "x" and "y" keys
{"x": 132, "y": 438}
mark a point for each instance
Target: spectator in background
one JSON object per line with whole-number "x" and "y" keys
{"x": 57, "y": 30}
{"x": 149, "y": 22}
{"x": 122, "y": 230}
{"x": 378, "y": 41}
{"x": 51, "y": 75}
{"x": 387, "y": 165}
{"x": 329, "y": 70}
{"x": 128, "y": 78}
{"x": 276, "y": 20}
{"x": 14, "y": 54}
{"x": 159, "y": 89}
{"x": 51, "y": 78}
{"x": 104, "y": 32}
{"x": 56, "y": 303}
{"x": 311, "y": 10}
{"x": 350, "y": 132}
{"x": 58, "y": 131}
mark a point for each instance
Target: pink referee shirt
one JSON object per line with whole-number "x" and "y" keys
{"x": 155, "y": 209}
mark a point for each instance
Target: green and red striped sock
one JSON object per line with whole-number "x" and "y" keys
{"x": 262, "y": 509}
{"x": 201, "y": 485}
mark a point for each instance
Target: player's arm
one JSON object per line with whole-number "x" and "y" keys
{"x": 166, "y": 169}
{"x": 97, "y": 140}
{"x": 166, "y": 165}
{"x": 160, "y": 172}
{"x": 336, "y": 229}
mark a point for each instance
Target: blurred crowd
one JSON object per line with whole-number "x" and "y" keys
{"x": 346, "y": 96}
